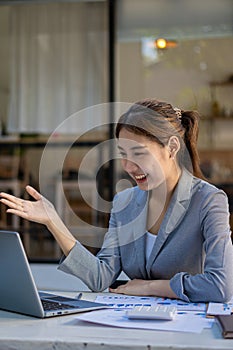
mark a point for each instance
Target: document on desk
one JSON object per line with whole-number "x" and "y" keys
{"x": 128, "y": 301}
{"x": 185, "y": 321}
{"x": 220, "y": 308}
{"x": 191, "y": 317}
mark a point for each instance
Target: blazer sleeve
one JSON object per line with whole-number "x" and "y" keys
{"x": 216, "y": 282}
{"x": 97, "y": 272}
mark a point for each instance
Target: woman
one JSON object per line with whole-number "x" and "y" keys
{"x": 170, "y": 234}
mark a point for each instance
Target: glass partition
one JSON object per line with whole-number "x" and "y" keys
{"x": 190, "y": 67}
{"x": 54, "y": 59}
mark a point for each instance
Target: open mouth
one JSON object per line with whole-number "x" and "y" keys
{"x": 140, "y": 178}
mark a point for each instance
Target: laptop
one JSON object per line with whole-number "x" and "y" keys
{"x": 18, "y": 292}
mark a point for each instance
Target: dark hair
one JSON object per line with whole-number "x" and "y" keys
{"x": 158, "y": 121}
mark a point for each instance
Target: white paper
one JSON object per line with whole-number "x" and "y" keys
{"x": 220, "y": 308}
{"x": 185, "y": 322}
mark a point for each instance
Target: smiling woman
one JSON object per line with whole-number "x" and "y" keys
{"x": 167, "y": 126}
{"x": 147, "y": 163}
{"x": 191, "y": 258}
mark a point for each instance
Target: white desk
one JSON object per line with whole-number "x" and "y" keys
{"x": 27, "y": 333}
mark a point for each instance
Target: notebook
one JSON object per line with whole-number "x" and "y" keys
{"x": 225, "y": 323}
{"x": 18, "y": 292}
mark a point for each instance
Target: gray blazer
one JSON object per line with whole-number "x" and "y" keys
{"x": 193, "y": 248}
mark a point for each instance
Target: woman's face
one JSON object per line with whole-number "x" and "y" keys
{"x": 148, "y": 163}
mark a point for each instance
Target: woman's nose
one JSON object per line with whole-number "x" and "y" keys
{"x": 129, "y": 166}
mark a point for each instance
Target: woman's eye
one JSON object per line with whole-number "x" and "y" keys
{"x": 122, "y": 154}
{"x": 139, "y": 154}
{"x": 136, "y": 154}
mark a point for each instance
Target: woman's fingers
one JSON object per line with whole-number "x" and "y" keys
{"x": 16, "y": 206}
{"x": 19, "y": 206}
{"x": 20, "y": 213}
{"x": 11, "y": 201}
{"x": 36, "y": 195}
{"x": 14, "y": 203}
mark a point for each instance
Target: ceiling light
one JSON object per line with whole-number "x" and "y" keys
{"x": 162, "y": 43}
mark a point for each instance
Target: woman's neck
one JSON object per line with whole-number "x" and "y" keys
{"x": 166, "y": 189}
{"x": 159, "y": 200}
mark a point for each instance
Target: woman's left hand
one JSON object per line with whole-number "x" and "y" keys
{"x": 159, "y": 288}
{"x": 133, "y": 287}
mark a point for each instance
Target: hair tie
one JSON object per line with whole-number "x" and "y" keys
{"x": 178, "y": 113}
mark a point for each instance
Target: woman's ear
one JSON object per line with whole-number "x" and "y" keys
{"x": 173, "y": 146}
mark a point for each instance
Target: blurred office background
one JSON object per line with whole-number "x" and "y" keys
{"x": 58, "y": 58}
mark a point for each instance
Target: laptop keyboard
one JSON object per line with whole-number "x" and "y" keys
{"x": 53, "y": 305}
{"x": 59, "y": 298}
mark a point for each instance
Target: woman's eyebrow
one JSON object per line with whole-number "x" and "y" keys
{"x": 132, "y": 148}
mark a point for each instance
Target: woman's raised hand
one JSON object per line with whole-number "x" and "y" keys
{"x": 40, "y": 210}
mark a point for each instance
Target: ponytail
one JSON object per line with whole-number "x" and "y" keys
{"x": 190, "y": 121}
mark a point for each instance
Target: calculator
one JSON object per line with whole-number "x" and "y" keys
{"x": 157, "y": 312}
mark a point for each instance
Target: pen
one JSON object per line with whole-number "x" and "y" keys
{"x": 79, "y": 296}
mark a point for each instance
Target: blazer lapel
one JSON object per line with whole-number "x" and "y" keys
{"x": 179, "y": 202}
{"x": 139, "y": 231}
{"x": 176, "y": 210}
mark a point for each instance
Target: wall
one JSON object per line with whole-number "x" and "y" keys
{"x": 4, "y": 62}
{"x": 181, "y": 76}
